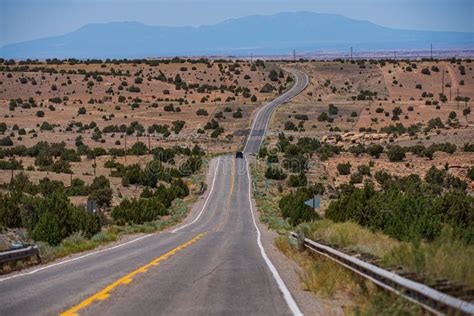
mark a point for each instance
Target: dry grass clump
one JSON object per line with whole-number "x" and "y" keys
{"x": 329, "y": 280}
{"x": 351, "y": 236}
{"x": 446, "y": 257}
{"x": 323, "y": 276}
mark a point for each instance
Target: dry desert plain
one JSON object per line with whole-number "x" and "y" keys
{"x": 115, "y": 104}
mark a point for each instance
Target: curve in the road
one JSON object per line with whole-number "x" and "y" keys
{"x": 263, "y": 116}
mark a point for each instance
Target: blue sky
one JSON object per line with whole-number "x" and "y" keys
{"x": 22, "y": 20}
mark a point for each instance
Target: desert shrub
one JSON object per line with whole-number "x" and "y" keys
{"x": 363, "y": 170}
{"x": 273, "y": 75}
{"x": 323, "y": 117}
{"x": 202, "y": 112}
{"x": 275, "y": 173}
{"x": 10, "y": 209}
{"x": 468, "y": 147}
{"x": 267, "y": 88}
{"x": 290, "y": 126}
{"x": 470, "y": 173}
{"x": 138, "y": 211}
{"x": 344, "y": 168}
{"x": 418, "y": 209}
{"x": 237, "y": 114}
{"x": 293, "y": 208}
{"x": 139, "y": 149}
{"x": 375, "y": 150}
{"x": 6, "y": 141}
{"x": 297, "y": 180}
{"x": 53, "y": 218}
{"x": 396, "y": 153}
{"x": 101, "y": 191}
{"x": 332, "y": 109}
{"x": 301, "y": 117}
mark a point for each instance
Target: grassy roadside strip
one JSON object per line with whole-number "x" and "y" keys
{"x": 446, "y": 257}
{"x": 326, "y": 279}
{"x": 78, "y": 243}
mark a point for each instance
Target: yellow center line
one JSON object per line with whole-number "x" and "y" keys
{"x": 105, "y": 293}
{"x": 226, "y": 210}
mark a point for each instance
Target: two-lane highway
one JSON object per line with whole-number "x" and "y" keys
{"x": 262, "y": 119}
{"x": 214, "y": 263}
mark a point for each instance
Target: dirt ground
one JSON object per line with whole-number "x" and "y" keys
{"x": 105, "y": 108}
{"x": 392, "y": 85}
{"x": 395, "y": 85}
{"x": 59, "y": 91}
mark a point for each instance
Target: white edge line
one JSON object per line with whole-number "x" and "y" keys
{"x": 205, "y": 203}
{"x": 283, "y": 97}
{"x": 111, "y": 248}
{"x": 75, "y": 259}
{"x": 286, "y": 293}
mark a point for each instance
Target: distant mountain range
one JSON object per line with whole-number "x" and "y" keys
{"x": 261, "y": 35}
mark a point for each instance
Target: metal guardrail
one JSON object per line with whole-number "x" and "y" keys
{"x": 18, "y": 254}
{"x": 432, "y": 300}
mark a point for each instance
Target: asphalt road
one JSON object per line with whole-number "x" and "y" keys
{"x": 214, "y": 263}
{"x": 260, "y": 124}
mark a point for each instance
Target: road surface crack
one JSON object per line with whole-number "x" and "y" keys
{"x": 207, "y": 274}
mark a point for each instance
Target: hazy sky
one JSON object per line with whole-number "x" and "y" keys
{"x": 22, "y": 20}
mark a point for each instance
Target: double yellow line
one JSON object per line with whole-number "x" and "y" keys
{"x": 105, "y": 293}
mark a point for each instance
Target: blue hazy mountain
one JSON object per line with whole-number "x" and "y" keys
{"x": 274, "y": 34}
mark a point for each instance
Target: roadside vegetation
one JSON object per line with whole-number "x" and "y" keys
{"x": 62, "y": 228}
{"x": 423, "y": 224}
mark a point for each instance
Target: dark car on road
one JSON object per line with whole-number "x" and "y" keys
{"x": 239, "y": 154}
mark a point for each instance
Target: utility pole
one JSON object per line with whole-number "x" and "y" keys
{"x": 251, "y": 58}
{"x": 351, "y": 52}
{"x": 294, "y": 55}
{"x": 125, "y": 143}
{"x": 149, "y": 143}
{"x": 457, "y": 98}
{"x": 394, "y": 55}
{"x": 431, "y": 51}
{"x": 95, "y": 164}
{"x": 442, "y": 82}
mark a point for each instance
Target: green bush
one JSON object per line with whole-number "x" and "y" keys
{"x": 7, "y": 141}
{"x": 298, "y": 180}
{"x": 396, "y": 153}
{"x": 293, "y": 208}
{"x": 407, "y": 208}
{"x": 470, "y": 173}
{"x": 138, "y": 211}
{"x": 101, "y": 191}
{"x": 344, "y": 168}
{"x": 275, "y": 173}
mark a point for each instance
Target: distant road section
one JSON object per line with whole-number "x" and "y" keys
{"x": 262, "y": 119}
